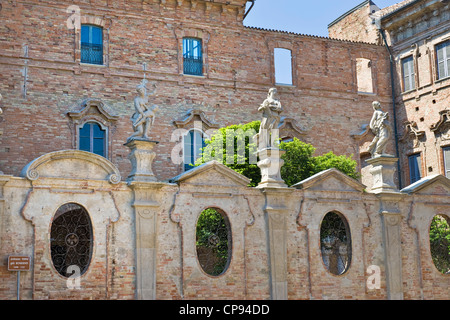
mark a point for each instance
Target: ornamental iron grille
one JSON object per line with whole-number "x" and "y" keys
{"x": 213, "y": 241}
{"x": 71, "y": 239}
{"x": 192, "y": 57}
{"x": 440, "y": 243}
{"x": 335, "y": 243}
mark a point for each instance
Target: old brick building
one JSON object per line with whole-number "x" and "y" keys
{"x": 417, "y": 33}
{"x": 69, "y": 74}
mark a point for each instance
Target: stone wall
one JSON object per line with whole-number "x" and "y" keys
{"x": 144, "y": 244}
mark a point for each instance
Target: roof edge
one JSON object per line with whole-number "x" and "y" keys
{"x": 311, "y": 36}
{"x": 349, "y": 12}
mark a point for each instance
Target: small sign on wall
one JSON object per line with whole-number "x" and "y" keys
{"x": 19, "y": 263}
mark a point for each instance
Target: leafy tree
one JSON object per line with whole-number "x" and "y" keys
{"x": 299, "y": 162}
{"x": 440, "y": 243}
{"x": 212, "y": 240}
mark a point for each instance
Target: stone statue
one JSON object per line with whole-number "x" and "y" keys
{"x": 271, "y": 109}
{"x": 144, "y": 117}
{"x": 379, "y": 124}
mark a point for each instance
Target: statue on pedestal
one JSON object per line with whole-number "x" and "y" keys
{"x": 269, "y": 154}
{"x": 271, "y": 109}
{"x": 144, "y": 117}
{"x": 379, "y": 124}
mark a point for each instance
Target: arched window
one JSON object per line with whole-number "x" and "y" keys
{"x": 213, "y": 241}
{"x": 71, "y": 240}
{"x": 92, "y": 138}
{"x": 91, "y": 44}
{"x": 440, "y": 243}
{"x": 335, "y": 243}
{"x": 192, "y": 148}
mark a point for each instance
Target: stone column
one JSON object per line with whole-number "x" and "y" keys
{"x": 383, "y": 171}
{"x": 146, "y": 205}
{"x": 276, "y": 214}
{"x": 393, "y": 252}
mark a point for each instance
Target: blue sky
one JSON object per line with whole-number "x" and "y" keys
{"x": 302, "y": 16}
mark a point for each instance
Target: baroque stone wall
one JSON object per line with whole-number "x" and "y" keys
{"x": 144, "y": 244}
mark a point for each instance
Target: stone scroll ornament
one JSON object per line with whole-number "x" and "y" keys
{"x": 144, "y": 117}
{"x": 379, "y": 124}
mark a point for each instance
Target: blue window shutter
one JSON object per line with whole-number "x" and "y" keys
{"x": 92, "y": 139}
{"x": 415, "y": 168}
{"x": 91, "y": 44}
{"x": 192, "y": 56}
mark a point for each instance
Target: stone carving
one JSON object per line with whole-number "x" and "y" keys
{"x": 379, "y": 124}
{"x": 271, "y": 109}
{"x": 269, "y": 154}
{"x": 144, "y": 117}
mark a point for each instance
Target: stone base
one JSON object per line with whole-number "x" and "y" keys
{"x": 141, "y": 157}
{"x": 383, "y": 170}
{"x": 270, "y": 164}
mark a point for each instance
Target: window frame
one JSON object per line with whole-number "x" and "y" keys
{"x": 194, "y": 53}
{"x": 279, "y": 63}
{"x": 410, "y": 76}
{"x": 91, "y": 137}
{"x": 446, "y": 59}
{"x": 444, "y": 149}
{"x": 195, "y": 153}
{"x": 419, "y": 167}
{"x": 90, "y": 43}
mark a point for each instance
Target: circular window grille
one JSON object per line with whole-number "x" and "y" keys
{"x": 71, "y": 239}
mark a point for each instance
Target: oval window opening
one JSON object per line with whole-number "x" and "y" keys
{"x": 213, "y": 241}
{"x": 71, "y": 240}
{"x": 440, "y": 243}
{"x": 335, "y": 243}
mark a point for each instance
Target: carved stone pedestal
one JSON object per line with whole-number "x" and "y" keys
{"x": 270, "y": 163}
{"x": 383, "y": 169}
{"x": 141, "y": 157}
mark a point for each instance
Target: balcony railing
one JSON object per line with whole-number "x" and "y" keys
{"x": 193, "y": 66}
{"x": 91, "y": 53}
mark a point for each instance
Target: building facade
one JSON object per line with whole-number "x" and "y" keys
{"x": 417, "y": 35}
{"x": 105, "y": 217}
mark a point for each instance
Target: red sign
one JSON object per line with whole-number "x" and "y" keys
{"x": 18, "y": 263}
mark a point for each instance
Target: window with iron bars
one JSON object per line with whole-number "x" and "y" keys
{"x": 91, "y": 44}
{"x": 192, "y": 57}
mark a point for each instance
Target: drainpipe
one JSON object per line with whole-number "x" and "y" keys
{"x": 249, "y": 9}
{"x": 391, "y": 60}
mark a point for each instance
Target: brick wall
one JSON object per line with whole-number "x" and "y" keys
{"x": 238, "y": 73}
